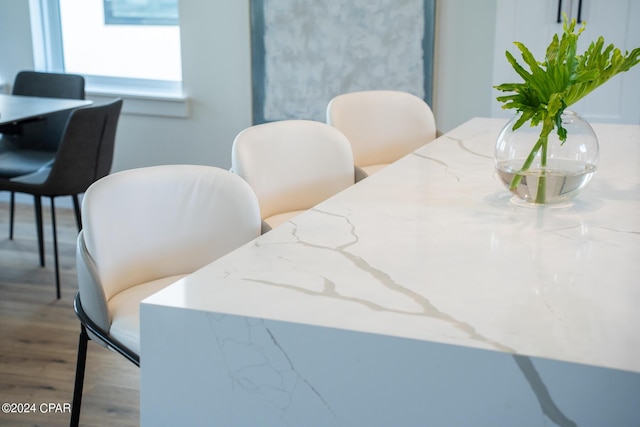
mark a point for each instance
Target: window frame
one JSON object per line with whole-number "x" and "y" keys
{"x": 141, "y": 19}
{"x": 141, "y": 96}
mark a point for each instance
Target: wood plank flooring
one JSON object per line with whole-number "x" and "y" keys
{"x": 39, "y": 334}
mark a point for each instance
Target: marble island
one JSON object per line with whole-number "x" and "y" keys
{"x": 420, "y": 296}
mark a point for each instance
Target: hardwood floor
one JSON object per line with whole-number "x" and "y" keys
{"x": 39, "y": 334}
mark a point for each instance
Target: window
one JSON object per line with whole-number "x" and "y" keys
{"x": 122, "y": 47}
{"x": 141, "y": 12}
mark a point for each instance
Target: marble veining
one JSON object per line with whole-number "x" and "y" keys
{"x": 440, "y": 162}
{"x": 468, "y": 149}
{"x": 548, "y": 406}
{"x": 432, "y": 248}
{"x": 424, "y": 307}
{"x": 421, "y": 283}
{"x": 265, "y": 371}
{"x": 259, "y": 368}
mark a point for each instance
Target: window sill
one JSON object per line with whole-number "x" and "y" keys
{"x": 146, "y": 103}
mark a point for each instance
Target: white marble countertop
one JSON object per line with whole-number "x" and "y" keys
{"x": 431, "y": 248}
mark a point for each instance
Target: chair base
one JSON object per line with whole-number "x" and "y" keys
{"x": 83, "y": 340}
{"x": 37, "y": 202}
{"x": 86, "y": 326}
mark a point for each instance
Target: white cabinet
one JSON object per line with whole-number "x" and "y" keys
{"x": 534, "y": 23}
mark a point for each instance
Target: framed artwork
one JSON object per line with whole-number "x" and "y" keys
{"x": 305, "y": 52}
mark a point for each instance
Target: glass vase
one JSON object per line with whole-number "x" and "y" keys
{"x": 555, "y": 174}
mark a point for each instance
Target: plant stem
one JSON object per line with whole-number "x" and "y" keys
{"x": 542, "y": 143}
{"x": 541, "y": 194}
{"x": 515, "y": 181}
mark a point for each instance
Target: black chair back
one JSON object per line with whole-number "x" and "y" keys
{"x": 49, "y": 85}
{"x": 45, "y": 134}
{"x": 85, "y": 153}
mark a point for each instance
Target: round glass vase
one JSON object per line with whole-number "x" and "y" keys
{"x": 567, "y": 168}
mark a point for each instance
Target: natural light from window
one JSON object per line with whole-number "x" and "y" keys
{"x": 140, "y": 51}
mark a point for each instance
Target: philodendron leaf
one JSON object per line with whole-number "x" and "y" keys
{"x": 564, "y": 77}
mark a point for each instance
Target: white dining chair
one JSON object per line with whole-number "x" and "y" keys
{"x": 292, "y": 165}
{"x": 381, "y": 125}
{"x": 144, "y": 229}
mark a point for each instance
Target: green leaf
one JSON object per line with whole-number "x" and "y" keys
{"x": 564, "y": 77}
{"x": 561, "y": 80}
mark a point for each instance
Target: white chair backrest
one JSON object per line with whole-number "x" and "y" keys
{"x": 382, "y": 125}
{"x": 293, "y": 164}
{"x": 144, "y": 224}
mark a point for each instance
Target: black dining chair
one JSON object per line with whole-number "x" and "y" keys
{"x": 84, "y": 155}
{"x": 40, "y": 132}
{"x": 29, "y": 145}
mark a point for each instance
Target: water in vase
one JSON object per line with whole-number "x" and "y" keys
{"x": 562, "y": 180}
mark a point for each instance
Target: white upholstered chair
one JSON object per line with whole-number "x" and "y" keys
{"x": 143, "y": 229}
{"x": 292, "y": 165}
{"x": 381, "y": 125}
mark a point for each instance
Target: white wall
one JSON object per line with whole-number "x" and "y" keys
{"x": 217, "y": 77}
{"x": 15, "y": 39}
{"x": 463, "y": 68}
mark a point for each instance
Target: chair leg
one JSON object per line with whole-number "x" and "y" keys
{"x": 79, "y": 382}
{"x": 37, "y": 203}
{"x": 76, "y": 209}
{"x": 55, "y": 247}
{"x": 12, "y": 209}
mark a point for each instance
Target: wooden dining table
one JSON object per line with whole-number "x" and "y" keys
{"x": 423, "y": 295}
{"x": 16, "y": 108}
